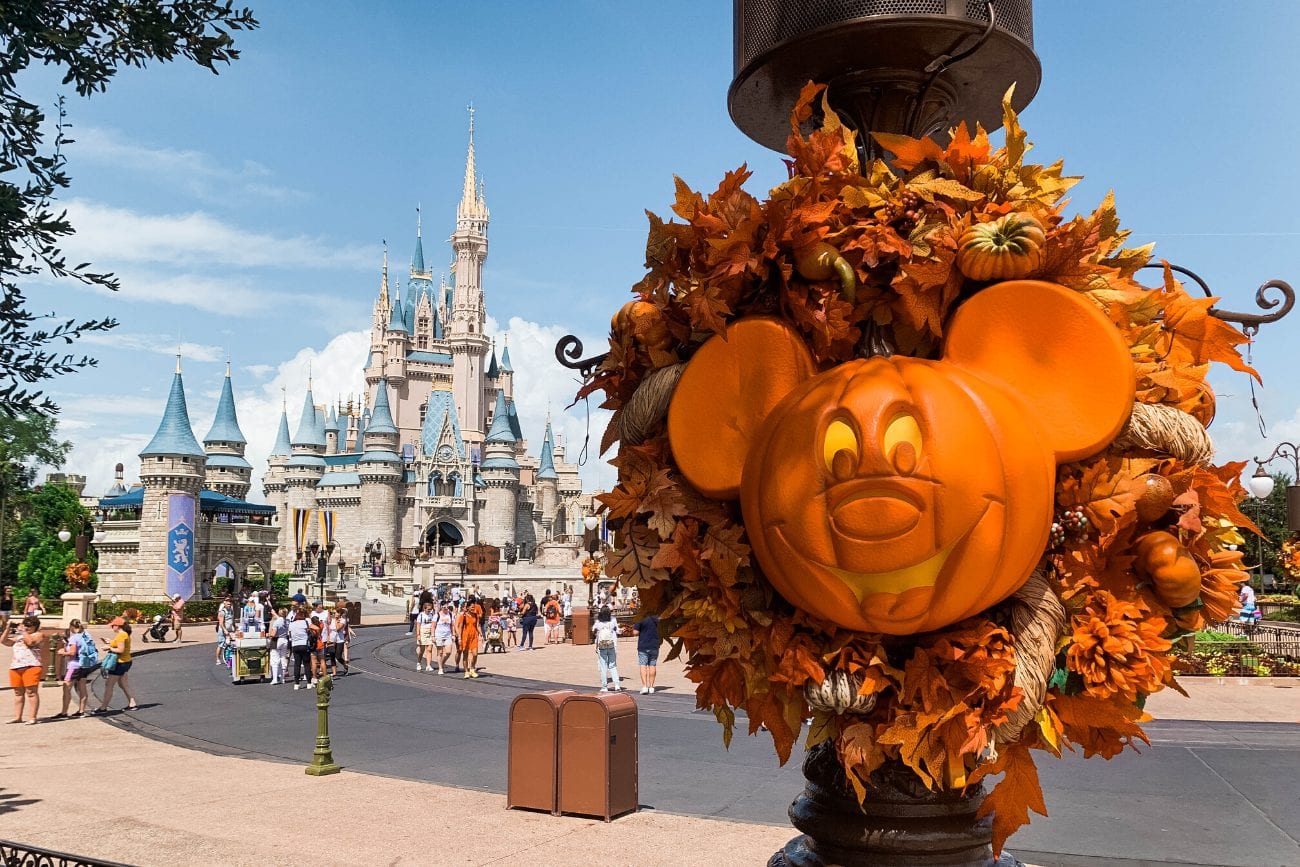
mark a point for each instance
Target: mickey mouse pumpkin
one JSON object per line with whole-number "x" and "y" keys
{"x": 899, "y": 495}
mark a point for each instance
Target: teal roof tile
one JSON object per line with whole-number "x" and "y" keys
{"x": 331, "y": 421}
{"x": 546, "y": 465}
{"x": 396, "y": 318}
{"x": 282, "y": 447}
{"x": 174, "y": 435}
{"x": 381, "y": 417}
{"x": 493, "y": 371}
{"x": 513, "y": 415}
{"x": 501, "y": 431}
{"x": 429, "y": 357}
{"x": 439, "y": 412}
{"x": 234, "y": 462}
{"x": 225, "y": 427}
{"x": 505, "y": 359}
{"x": 500, "y": 462}
{"x": 309, "y": 431}
{"x": 380, "y": 456}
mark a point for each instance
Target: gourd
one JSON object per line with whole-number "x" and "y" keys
{"x": 1174, "y": 575}
{"x": 645, "y": 322}
{"x": 1009, "y": 247}
{"x": 1155, "y": 497}
{"x": 821, "y": 261}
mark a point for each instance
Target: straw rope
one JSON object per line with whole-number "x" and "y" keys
{"x": 649, "y": 404}
{"x": 1166, "y": 430}
{"x": 1037, "y": 621}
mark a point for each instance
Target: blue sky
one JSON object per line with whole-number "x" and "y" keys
{"x": 244, "y": 212}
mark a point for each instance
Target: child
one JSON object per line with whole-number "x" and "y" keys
{"x": 512, "y": 623}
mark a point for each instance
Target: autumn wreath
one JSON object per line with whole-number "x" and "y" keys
{"x": 852, "y": 256}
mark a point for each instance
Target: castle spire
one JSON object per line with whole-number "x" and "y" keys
{"x": 175, "y": 436}
{"x": 282, "y": 447}
{"x": 396, "y": 319}
{"x": 546, "y": 465}
{"x": 471, "y": 205}
{"x": 225, "y": 426}
{"x": 417, "y": 258}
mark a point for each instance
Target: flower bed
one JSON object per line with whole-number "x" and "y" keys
{"x": 1219, "y": 654}
{"x": 196, "y": 611}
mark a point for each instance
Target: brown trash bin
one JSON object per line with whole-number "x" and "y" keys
{"x": 580, "y": 629}
{"x": 598, "y": 755}
{"x": 533, "y": 750}
{"x": 354, "y": 613}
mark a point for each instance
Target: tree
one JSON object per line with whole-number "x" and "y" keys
{"x": 26, "y": 442}
{"x": 50, "y": 509}
{"x": 89, "y": 40}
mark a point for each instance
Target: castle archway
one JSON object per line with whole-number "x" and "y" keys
{"x": 442, "y": 536}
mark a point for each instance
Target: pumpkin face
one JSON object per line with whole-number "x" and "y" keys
{"x": 901, "y": 495}
{"x": 1006, "y": 248}
{"x": 879, "y": 496}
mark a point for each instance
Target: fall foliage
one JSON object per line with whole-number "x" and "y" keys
{"x": 898, "y": 228}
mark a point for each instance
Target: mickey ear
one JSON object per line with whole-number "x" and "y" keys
{"x": 1055, "y": 349}
{"x": 726, "y": 392}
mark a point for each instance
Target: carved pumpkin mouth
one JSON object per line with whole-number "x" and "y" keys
{"x": 917, "y": 576}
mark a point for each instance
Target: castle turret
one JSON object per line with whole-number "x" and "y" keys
{"x": 506, "y": 374}
{"x": 172, "y": 468}
{"x": 304, "y": 469}
{"x": 465, "y": 330}
{"x": 548, "y": 492}
{"x": 380, "y": 472}
{"x": 228, "y": 471}
{"x": 500, "y": 472}
{"x": 397, "y": 340}
{"x": 331, "y": 432}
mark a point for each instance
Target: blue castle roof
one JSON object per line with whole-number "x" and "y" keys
{"x": 331, "y": 421}
{"x": 282, "y": 447}
{"x": 546, "y": 465}
{"x": 439, "y": 414}
{"x": 513, "y": 415}
{"x": 417, "y": 258}
{"x": 505, "y": 359}
{"x": 225, "y": 427}
{"x": 381, "y": 417}
{"x": 174, "y": 435}
{"x": 501, "y": 430}
{"x": 493, "y": 371}
{"x": 396, "y": 319}
{"x": 309, "y": 429}
{"x": 209, "y": 503}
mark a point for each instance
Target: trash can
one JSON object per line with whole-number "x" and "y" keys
{"x": 533, "y": 750}
{"x": 580, "y": 629}
{"x": 354, "y": 613}
{"x": 598, "y": 755}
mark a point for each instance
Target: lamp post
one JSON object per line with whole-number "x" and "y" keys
{"x": 592, "y": 543}
{"x": 1260, "y": 487}
{"x": 1287, "y": 451}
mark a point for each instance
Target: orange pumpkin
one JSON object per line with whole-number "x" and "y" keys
{"x": 1006, "y": 248}
{"x": 1162, "y": 560}
{"x": 645, "y": 322}
{"x": 901, "y": 495}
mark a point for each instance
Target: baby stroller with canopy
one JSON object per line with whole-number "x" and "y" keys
{"x": 495, "y": 636}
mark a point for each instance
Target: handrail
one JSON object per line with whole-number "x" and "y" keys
{"x": 14, "y": 854}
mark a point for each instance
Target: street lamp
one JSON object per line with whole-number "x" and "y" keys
{"x": 1290, "y": 452}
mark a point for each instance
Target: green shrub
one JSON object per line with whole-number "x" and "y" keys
{"x": 280, "y": 584}
{"x": 196, "y": 610}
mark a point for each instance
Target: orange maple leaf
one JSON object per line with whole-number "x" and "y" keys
{"x": 1018, "y": 792}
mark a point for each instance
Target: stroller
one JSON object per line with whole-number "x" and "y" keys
{"x": 158, "y": 629}
{"x": 495, "y": 637}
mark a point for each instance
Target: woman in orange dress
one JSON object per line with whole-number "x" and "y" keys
{"x": 467, "y": 638}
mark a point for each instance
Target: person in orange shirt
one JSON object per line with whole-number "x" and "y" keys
{"x": 553, "y": 626}
{"x": 467, "y": 637}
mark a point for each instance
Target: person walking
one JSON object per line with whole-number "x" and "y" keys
{"x": 606, "y": 632}
{"x": 316, "y": 623}
{"x": 300, "y": 647}
{"x": 467, "y": 636}
{"x": 117, "y": 665}
{"x": 551, "y": 612}
{"x": 278, "y": 633}
{"x": 6, "y": 606}
{"x": 443, "y": 639}
{"x": 225, "y": 624}
{"x": 424, "y": 622}
{"x": 83, "y": 658}
{"x": 342, "y": 637}
{"x": 25, "y": 668}
{"x": 177, "y": 615}
{"x": 32, "y": 606}
{"x": 528, "y": 622}
{"x": 647, "y": 650}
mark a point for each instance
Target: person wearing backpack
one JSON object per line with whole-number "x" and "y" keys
{"x": 83, "y": 658}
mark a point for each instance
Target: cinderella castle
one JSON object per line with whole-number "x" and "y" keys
{"x": 432, "y": 460}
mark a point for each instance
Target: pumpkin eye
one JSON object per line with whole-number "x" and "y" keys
{"x": 839, "y": 437}
{"x": 902, "y": 442}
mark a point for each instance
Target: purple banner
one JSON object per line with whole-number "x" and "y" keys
{"x": 180, "y": 545}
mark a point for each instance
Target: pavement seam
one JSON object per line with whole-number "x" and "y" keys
{"x": 1267, "y": 818}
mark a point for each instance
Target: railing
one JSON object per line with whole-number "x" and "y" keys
{"x": 231, "y": 534}
{"x": 1274, "y": 640}
{"x": 22, "y": 855}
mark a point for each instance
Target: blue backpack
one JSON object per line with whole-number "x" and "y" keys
{"x": 87, "y": 652}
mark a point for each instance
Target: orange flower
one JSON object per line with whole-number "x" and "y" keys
{"x": 1117, "y": 648}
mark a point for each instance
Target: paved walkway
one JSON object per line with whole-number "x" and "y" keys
{"x": 1219, "y": 789}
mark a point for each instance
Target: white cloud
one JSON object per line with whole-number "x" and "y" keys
{"x": 192, "y": 171}
{"x": 542, "y": 385}
{"x": 108, "y": 236}
{"x": 227, "y": 294}
{"x": 157, "y": 343}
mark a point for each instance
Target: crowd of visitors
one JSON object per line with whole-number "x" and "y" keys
{"x": 82, "y": 658}
{"x": 313, "y": 638}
